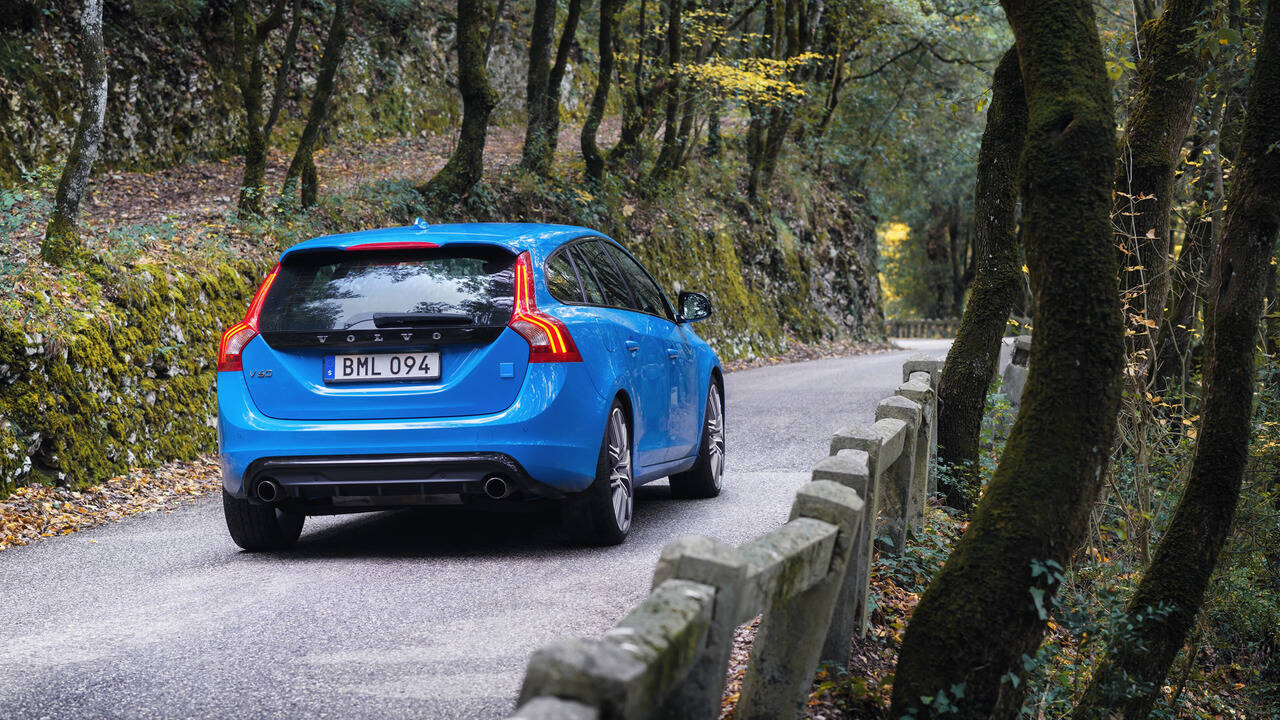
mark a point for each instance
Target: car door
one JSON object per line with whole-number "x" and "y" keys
{"x": 642, "y": 363}
{"x": 677, "y": 377}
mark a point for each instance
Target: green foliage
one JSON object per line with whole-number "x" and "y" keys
{"x": 1229, "y": 666}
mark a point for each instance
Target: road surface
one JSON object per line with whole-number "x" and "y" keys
{"x": 425, "y": 613}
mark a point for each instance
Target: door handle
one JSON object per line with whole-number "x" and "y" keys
{"x": 632, "y": 346}
{"x": 673, "y": 353}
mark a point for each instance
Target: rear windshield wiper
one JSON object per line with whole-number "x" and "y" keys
{"x": 399, "y": 320}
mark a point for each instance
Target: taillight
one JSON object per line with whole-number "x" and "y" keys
{"x": 549, "y": 340}
{"x": 239, "y": 335}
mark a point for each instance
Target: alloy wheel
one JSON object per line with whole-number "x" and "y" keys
{"x": 715, "y": 435}
{"x": 620, "y": 487}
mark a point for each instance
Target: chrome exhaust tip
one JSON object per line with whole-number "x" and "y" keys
{"x": 268, "y": 490}
{"x": 496, "y": 487}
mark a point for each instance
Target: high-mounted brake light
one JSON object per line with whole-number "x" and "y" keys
{"x": 549, "y": 340}
{"x": 406, "y": 245}
{"x": 239, "y": 335}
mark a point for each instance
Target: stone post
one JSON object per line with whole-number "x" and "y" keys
{"x": 788, "y": 644}
{"x": 922, "y": 388}
{"x": 710, "y": 562}
{"x": 904, "y": 485}
{"x": 851, "y": 472}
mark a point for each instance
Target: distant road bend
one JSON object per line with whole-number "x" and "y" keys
{"x": 425, "y": 613}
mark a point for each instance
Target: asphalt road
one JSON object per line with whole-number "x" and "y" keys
{"x": 425, "y": 613}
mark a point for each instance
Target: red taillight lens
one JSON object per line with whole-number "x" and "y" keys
{"x": 549, "y": 340}
{"x": 239, "y": 335}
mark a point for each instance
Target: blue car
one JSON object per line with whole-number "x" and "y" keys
{"x": 486, "y": 364}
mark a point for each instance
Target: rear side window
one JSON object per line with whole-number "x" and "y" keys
{"x": 590, "y": 285}
{"x": 649, "y": 298}
{"x": 562, "y": 282}
{"x": 384, "y": 289}
{"x": 611, "y": 281}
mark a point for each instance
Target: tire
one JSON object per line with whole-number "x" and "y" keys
{"x": 601, "y": 514}
{"x": 256, "y": 527}
{"x": 706, "y": 477}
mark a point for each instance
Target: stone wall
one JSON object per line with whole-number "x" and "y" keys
{"x": 131, "y": 384}
{"x": 173, "y": 97}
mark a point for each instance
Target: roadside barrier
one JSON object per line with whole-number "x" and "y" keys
{"x": 809, "y": 579}
{"x": 930, "y": 328}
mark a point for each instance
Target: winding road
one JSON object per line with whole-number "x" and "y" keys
{"x": 426, "y": 613}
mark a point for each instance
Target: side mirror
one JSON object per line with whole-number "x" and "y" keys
{"x": 694, "y": 306}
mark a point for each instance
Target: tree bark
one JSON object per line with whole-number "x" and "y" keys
{"x": 670, "y": 152}
{"x": 250, "y": 68}
{"x": 633, "y": 110}
{"x": 62, "y": 236}
{"x": 975, "y": 354}
{"x": 303, "y": 163}
{"x": 556, "y": 78}
{"x": 591, "y": 126}
{"x": 466, "y": 165}
{"x": 1172, "y": 588}
{"x": 1168, "y": 76}
{"x": 978, "y": 616}
{"x": 535, "y": 156}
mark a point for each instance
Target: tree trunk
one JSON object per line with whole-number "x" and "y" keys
{"x": 975, "y": 354}
{"x": 1172, "y": 588}
{"x": 1273, "y": 323}
{"x": 62, "y": 236}
{"x": 556, "y": 78}
{"x": 633, "y": 111}
{"x": 303, "y": 157}
{"x": 250, "y": 38}
{"x": 714, "y": 139}
{"x": 591, "y": 127}
{"x": 1168, "y": 76}
{"x": 466, "y": 165}
{"x": 670, "y": 152}
{"x": 977, "y": 618}
{"x": 535, "y": 157}
{"x": 755, "y": 151}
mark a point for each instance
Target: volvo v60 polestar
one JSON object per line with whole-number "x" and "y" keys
{"x": 486, "y": 363}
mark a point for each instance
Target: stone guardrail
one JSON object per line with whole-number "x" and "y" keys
{"x": 929, "y": 328}
{"x": 1014, "y": 379}
{"x": 809, "y": 578}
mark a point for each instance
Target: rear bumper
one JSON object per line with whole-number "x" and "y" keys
{"x": 547, "y": 443}
{"x": 336, "y": 482}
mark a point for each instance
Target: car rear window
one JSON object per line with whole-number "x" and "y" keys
{"x": 364, "y": 290}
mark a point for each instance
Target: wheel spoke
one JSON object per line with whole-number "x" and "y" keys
{"x": 620, "y": 469}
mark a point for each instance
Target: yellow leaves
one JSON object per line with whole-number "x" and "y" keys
{"x": 762, "y": 81}
{"x": 40, "y": 511}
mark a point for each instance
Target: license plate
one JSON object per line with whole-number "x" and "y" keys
{"x": 376, "y": 367}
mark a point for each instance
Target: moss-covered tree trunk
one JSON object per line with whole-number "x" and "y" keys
{"x": 466, "y": 165}
{"x": 62, "y": 237}
{"x": 979, "y": 616}
{"x": 250, "y": 39}
{"x": 1168, "y": 76}
{"x": 535, "y": 157}
{"x": 568, "y": 35}
{"x": 1187, "y": 281}
{"x": 591, "y": 126}
{"x": 542, "y": 91}
{"x": 633, "y": 111}
{"x": 997, "y": 283}
{"x": 303, "y": 164}
{"x": 669, "y": 155}
{"x": 1172, "y": 588}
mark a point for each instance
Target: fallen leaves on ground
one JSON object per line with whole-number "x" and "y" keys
{"x": 39, "y": 511}
{"x": 801, "y": 352}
